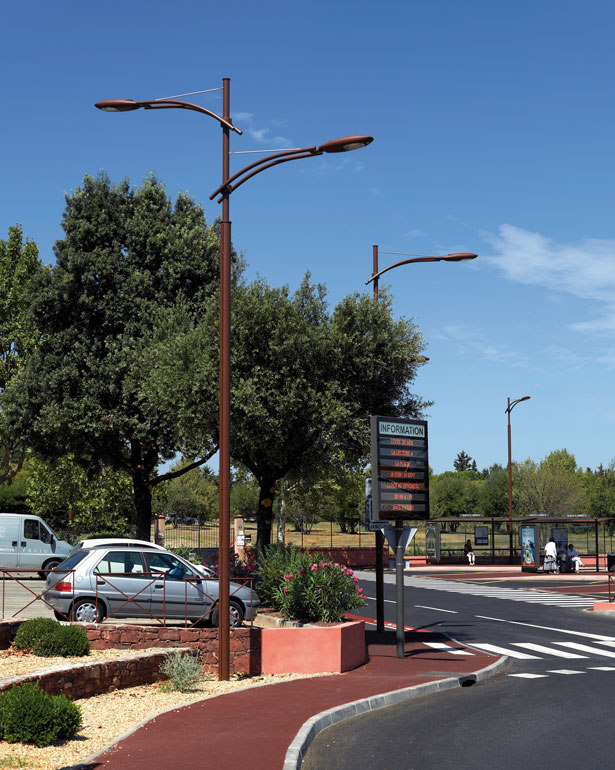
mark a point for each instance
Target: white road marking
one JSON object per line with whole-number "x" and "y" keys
{"x": 439, "y": 609}
{"x": 530, "y": 676}
{"x": 447, "y": 648}
{"x": 602, "y": 668}
{"x": 564, "y": 671}
{"x": 547, "y": 650}
{"x": 503, "y": 651}
{"x": 586, "y": 648}
{"x": 598, "y": 637}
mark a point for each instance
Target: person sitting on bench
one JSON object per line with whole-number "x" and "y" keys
{"x": 574, "y": 557}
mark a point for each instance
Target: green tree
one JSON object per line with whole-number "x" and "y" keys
{"x": 493, "y": 492}
{"x": 19, "y": 264}
{"x": 98, "y": 498}
{"x": 599, "y": 486}
{"x": 453, "y": 494}
{"x": 304, "y": 381}
{"x": 126, "y": 256}
{"x": 549, "y": 488}
{"x": 194, "y": 493}
{"x": 463, "y": 462}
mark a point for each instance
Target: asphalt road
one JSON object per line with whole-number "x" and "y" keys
{"x": 551, "y": 706}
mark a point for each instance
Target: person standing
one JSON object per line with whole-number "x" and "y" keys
{"x": 550, "y": 565}
{"x": 469, "y": 552}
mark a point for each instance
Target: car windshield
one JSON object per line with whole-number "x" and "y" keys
{"x": 71, "y": 561}
{"x": 174, "y": 568}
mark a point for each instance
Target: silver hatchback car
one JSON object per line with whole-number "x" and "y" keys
{"x": 140, "y": 582}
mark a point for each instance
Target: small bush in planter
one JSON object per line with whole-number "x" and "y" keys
{"x": 182, "y": 669}
{"x": 29, "y": 633}
{"x": 30, "y": 715}
{"x": 64, "y": 642}
{"x": 48, "y": 638}
{"x": 279, "y": 560}
{"x": 322, "y": 591}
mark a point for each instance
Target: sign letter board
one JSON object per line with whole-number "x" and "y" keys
{"x": 400, "y": 468}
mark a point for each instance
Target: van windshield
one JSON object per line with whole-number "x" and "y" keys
{"x": 71, "y": 561}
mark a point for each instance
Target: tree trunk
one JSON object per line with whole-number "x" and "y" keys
{"x": 142, "y": 490}
{"x": 264, "y": 514}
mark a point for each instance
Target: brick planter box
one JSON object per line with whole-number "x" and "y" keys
{"x": 313, "y": 649}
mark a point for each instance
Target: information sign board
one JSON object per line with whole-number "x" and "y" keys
{"x": 400, "y": 468}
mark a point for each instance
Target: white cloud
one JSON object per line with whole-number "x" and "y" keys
{"x": 262, "y": 135}
{"x": 585, "y": 269}
{"x": 474, "y": 342}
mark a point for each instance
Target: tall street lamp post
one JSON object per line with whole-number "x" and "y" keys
{"x": 229, "y": 185}
{"x": 376, "y": 273}
{"x": 509, "y": 408}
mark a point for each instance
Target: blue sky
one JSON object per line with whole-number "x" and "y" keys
{"x": 493, "y": 126}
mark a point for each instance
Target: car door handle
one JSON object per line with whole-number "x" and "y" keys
{"x": 158, "y": 585}
{"x": 23, "y": 543}
{"x": 14, "y": 543}
{"x": 100, "y": 582}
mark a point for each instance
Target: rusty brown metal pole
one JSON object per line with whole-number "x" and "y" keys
{"x": 379, "y": 533}
{"x": 224, "y": 472}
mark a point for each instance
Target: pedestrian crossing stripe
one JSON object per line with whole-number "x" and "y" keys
{"x": 560, "y": 672}
{"x": 532, "y": 596}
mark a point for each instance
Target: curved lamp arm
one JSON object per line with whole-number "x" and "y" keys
{"x": 455, "y": 257}
{"x": 344, "y": 144}
{"x": 513, "y": 404}
{"x": 127, "y": 105}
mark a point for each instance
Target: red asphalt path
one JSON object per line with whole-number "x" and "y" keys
{"x": 256, "y": 726}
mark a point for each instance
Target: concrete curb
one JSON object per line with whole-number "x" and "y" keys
{"x": 310, "y": 729}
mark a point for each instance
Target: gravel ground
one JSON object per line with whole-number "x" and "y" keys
{"x": 105, "y": 717}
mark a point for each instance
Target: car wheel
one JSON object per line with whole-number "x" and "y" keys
{"x": 60, "y": 616}
{"x": 235, "y": 615}
{"x": 88, "y": 611}
{"x": 49, "y": 565}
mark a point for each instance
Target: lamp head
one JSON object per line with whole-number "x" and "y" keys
{"x": 346, "y": 143}
{"x": 117, "y": 105}
{"x": 459, "y": 256}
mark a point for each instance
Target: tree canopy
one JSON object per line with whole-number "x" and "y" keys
{"x": 127, "y": 254}
{"x": 304, "y": 380}
{"x": 19, "y": 264}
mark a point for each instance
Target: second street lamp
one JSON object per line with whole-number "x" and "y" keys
{"x": 229, "y": 184}
{"x": 376, "y": 273}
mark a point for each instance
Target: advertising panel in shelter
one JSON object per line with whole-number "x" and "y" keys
{"x": 400, "y": 468}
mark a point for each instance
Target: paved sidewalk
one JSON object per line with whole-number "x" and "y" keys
{"x": 268, "y": 727}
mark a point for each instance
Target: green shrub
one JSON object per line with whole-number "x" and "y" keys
{"x": 273, "y": 564}
{"x": 30, "y": 632}
{"x": 64, "y": 642}
{"x": 30, "y": 715}
{"x": 48, "y": 638}
{"x": 182, "y": 669}
{"x": 322, "y": 591}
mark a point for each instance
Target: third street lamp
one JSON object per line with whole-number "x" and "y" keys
{"x": 229, "y": 185}
{"x": 509, "y": 408}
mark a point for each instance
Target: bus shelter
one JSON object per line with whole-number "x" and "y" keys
{"x": 445, "y": 538}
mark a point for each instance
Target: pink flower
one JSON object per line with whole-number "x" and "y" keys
{"x": 285, "y": 589}
{"x": 355, "y": 579}
{"x": 314, "y": 567}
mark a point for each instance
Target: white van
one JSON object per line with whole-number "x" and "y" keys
{"x": 27, "y": 542}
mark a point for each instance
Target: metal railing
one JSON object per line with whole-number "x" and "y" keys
{"x": 103, "y": 579}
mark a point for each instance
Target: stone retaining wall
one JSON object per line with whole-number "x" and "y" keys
{"x": 82, "y": 680}
{"x": 244, "y": 646}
